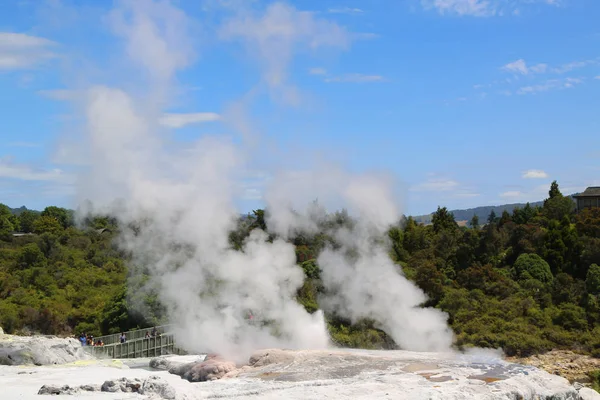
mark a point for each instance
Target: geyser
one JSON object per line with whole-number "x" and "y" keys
{"x": 175, "y": 203}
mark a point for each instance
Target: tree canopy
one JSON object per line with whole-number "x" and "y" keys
{"x": 526, "y": 281}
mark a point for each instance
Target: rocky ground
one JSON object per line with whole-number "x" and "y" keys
{"x": 39, "y": 350}
{"x": 575, "y": 367}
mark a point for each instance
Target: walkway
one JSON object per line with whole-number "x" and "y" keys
{"x": 136, "y": 345}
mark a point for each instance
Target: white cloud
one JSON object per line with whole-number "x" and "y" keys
{"x": 181, "y": 120}
{"x": 317, "y": 71}
{"x": 573, "y": 65}
{"x": 475, "y": 8}
{"x": 513, "y": 194}
{"x": 536, "y": 193}
{"x": 520, "y": 67}
{"x": 274, "y": 37}
{"x": 467, "y": 195}
{"x": 534, "y": 174}
{"x": 27, "y": 173}
{"x": 597, "y": 77}
{"x": 18, "y": 50}
{"x": 517, "y": 66}
{"x": 539, "y": 68}
{"x": 435, "y": 185}
{"x": 551, "y": 84}
{"x": 355, "y": 78}
{"x": 345, "y": 10}
{"x": 481, "y": 8}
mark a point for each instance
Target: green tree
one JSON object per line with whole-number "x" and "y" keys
{"x": 27, "y": 221}
{"x": 260, "y": 222}
{"x": 588, "y": 222}
{"x": 396, "y": 236}
{"x": 46, "y": 224}
{"x": 556, "y": 206}
{"x": 492, "y": 219}
{"x": 6, "y": 218}
{"x": 524, "y": 215}
{"x": 592, "y": 280}
{"x": 475, "y": 222}
{"x": 443, "y": 220}
{"x": 533, "y": 265}
{"x": 431, "y": 280}
{"x": 62, "y": 215}
{"x": 30, "y": 256}
{"x": 554, "y": 191}
{"x": 505, "y": 218}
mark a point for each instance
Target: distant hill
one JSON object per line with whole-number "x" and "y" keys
{"x": 481, "y": 212}
{"x": 18, "y": 211}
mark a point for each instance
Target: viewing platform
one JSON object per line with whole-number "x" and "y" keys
{"x": 137, "y": 344}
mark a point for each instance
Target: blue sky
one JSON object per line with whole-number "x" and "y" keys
{"x": 466, "y": 102}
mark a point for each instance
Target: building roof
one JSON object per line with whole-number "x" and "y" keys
{"x": 592, "y": 191}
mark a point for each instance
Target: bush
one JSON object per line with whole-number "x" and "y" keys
{"x": 534, "y": 265}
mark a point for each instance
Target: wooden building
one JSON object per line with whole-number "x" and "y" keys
{"x": 589, "y": 198}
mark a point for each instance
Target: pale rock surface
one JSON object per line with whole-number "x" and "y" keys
{"x": 153, "y": 387}
{"x": 39, "y": 350}
{"x": 168, "y": 362}
{"x": 310, "y": 374}
{"x": 588, "y": 394}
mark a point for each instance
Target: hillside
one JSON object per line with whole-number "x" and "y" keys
{"x": 482, "y": 212}
{"x": 19, "y": 211}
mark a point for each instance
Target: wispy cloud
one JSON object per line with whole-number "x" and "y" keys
{"x": 512, "y": 194}
{"x": 273, "y": 38}
{"x": 26, "y": 172}
{"x": 435, "y": 185}
{"x": 534, "y": 174}
{"x": 520, "y": 67}
{"x": 18, "y": 50}
{"x": 475, "y": 8}
{"x": 355, "y": 78}
{"x": 552, "y": 84}
{"x": 317, "y": 71}
{"x": 535, "y": 193}
{"x": 345, "y": 10}
{"x": 181, "y": 120}
{"x": 481, "y": 8}
{"x": 573, "y": 65}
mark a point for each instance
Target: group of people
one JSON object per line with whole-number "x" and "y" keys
{"x": 153, "y": 334}
{"x": 88, "y": 340}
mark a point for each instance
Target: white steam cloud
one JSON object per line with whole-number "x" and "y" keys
{"x": 176, "y": 206}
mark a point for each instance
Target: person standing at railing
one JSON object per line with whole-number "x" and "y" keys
{"x": 123, "y": 338}
{"x": 147, "y": 335}
{"x": 154, "y": 332}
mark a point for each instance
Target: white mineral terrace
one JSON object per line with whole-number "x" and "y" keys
{"x": 271, "y": 374}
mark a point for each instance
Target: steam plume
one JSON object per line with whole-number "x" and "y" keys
{"x": 176, "y": 206}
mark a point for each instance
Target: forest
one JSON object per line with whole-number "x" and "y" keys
{"x": 527, "y": 281}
